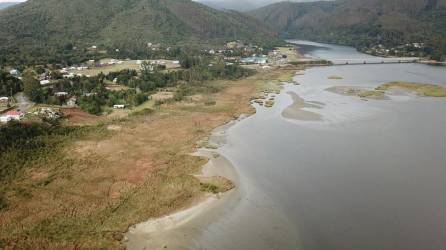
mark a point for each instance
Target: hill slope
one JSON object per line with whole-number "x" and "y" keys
{"x": 53, "y": 24}
{"x": 361, "y": 22}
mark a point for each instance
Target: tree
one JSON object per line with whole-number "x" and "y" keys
{"x": 437, "y": 55}
{"x": 9, "y": 85}
{"x": 32, "y": 87}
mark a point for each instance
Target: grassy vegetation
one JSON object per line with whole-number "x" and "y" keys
{"x": 270, "y": 82}
{"x": 371, "y": 93}
{"x": 269, "y": 103}
{"x": 82, "y": 187}
{"x": 421, "y": 88}
{"x": 131, "y": 64}
{"x": 86, "y": 185}
{"x": 215, "y": 185}
{"x": 335, "y": 77}
{"x": 22, "y": 145}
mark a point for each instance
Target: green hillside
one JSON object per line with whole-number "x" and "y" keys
{"x": 41, "y": 27}
{"x": 362, "y": 23}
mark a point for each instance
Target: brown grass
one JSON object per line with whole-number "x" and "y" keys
{"x": 76, "y": 116}
{"x": 140, "y": 169}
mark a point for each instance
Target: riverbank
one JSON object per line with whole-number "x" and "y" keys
{"x": 131, "y": 170}
{"x": 179, "y": 230}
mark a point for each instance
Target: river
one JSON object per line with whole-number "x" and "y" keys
{"x": 369, "y": 175}
{"x": 360, "y": 175}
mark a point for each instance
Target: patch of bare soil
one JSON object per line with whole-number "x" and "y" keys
{"x": 77, "y": 116}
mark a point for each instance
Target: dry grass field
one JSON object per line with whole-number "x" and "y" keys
{"x": 120, "y": 172}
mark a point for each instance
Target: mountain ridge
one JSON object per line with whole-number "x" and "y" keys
{"x": 123, "y": 24}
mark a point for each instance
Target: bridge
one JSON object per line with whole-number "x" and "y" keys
{"x": 358, "y": 61}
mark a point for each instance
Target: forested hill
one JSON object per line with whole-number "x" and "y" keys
{"x": 53, "y": 25}
{"x": 361, "y": 23}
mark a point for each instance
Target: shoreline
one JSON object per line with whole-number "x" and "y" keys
{"x": 180, "y": 228}
{"x": 244, "y": 214}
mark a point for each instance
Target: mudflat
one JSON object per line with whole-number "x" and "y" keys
{"x": 297, "y": 110}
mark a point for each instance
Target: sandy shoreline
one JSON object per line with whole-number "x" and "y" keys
{"x": 245, "y": 215}
{"x": 180, "y": 229}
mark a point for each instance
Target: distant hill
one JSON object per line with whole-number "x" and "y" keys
{"x": 7, "y": 4}
{"x": 45, "y": 26}
{"x": 242, "y": 5}
{"x": 361, "y": 22}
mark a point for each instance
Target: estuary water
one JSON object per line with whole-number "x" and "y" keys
{"x": 369, "y": 174}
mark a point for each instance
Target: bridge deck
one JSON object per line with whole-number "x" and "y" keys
{"x": 373, "y": 61}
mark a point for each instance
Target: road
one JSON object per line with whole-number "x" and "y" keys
{"x": 22, "y": 102}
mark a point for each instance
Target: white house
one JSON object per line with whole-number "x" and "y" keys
{"x": 4, "y": 100}
{"x": 5, "y": 119}
{"x": 70, "y": 75}
{"x": 72, "y": 102}
{"x": 14, "y": 72}
{"x": 44, "y": 82}
{"x": 61, "y": 94}
{"x": 112, "y": 62}
{"x": 119, "y": 106}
